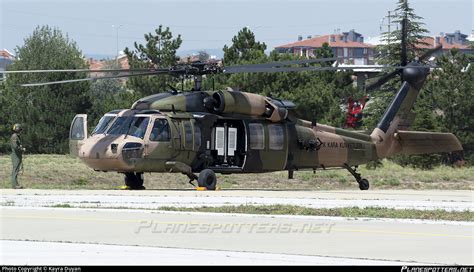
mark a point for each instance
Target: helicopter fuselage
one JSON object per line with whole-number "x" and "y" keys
{"x": 152, "y": 141}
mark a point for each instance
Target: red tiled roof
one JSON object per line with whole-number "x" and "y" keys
{"x": 100, "y": 64}
{"x": 95, "y": 64}
{"x": 431, "y": 43}
{"x": 317, "y": 42}
{"x": 6, "y": 54}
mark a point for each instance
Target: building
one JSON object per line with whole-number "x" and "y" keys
{"x": 6, "y": 58}
{"x": 93, "y": 64}
{"x": 449, "y": 41}
{"x": 348, "y": 47}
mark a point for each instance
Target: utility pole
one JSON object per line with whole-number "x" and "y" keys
{"x": 389, "y": 22}
{"x": 117, "y": 42}
{"x": 388, "y": 41}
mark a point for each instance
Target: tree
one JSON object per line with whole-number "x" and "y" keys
{"x": 450, "y": 91}
{"x": 109, "y": 94}
{"x": 244, "y": 48}
{"x": 391, "y": 54}
{"x": 46, "y": 112}
{"x": 159, "y": 51}
{"x": 203, "y": 56}
{"x": 5, "y": 126}
{"x": 317, "y": 94}
{"x": 391, "y": 51}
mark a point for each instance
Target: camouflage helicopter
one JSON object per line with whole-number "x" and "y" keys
{"x": 200, "y": 133}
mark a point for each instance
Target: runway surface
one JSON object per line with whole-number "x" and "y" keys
{"x": 151, "y": 199}
{"x": 151, "y": 237}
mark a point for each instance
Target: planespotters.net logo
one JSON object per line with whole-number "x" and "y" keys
{"x": 151, "y": 226}
{"x": 437, "y": 269}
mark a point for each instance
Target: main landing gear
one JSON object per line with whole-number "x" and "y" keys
{"x": 134, "y": 181}
{"x": 363, "y": 183}
{"x": 207, "y": 179}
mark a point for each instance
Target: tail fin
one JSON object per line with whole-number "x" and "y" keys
{"x": 388, "y": 135}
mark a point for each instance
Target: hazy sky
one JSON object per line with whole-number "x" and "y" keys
{"x": 210, "y": 23}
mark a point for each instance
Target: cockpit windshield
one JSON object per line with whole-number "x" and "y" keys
{"x": 103, "y": 124}
{"x": 131, "y": 125}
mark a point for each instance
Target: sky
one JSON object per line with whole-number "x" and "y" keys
{"x": 210, "y": 24}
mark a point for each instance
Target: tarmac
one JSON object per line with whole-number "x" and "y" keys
{"x": 33, "y": 232}
{"x": 151, "y": 199}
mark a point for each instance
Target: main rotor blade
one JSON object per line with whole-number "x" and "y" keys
{"x": 430, "y": 52}
{"x": 301, "y": 69}
{"x": 91, "y": 79}
{"x": 279, "y": 63}
{"x": 81, "y": 71}
{"x": 383, "y": 80}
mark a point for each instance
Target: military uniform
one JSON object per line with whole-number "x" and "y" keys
{"x": 17, "y": 157}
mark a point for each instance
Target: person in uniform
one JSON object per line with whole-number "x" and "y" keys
{"x": 17, "y": 155}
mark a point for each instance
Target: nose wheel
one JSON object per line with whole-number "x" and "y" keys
{"x": 134, "y": 181}
{"x": 363, "y": 183}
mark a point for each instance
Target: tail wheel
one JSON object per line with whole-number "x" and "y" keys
{"x": 207, "y": 178}
{"x": 134, "y": 181}
{"x": 364, "y": 184}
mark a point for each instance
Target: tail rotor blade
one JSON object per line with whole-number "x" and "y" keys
{"x": 382, "y": 80}
{"x": 404, "y": 57}
{"x": 430, "y": 52}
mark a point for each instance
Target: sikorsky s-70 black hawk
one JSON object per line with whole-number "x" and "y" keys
{"x": 229, "y": 131}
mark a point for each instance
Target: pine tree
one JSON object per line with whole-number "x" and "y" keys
{"x": 244, "y": 48}
{"x": 391, "y": 51}
{"x": 159, "y": 51}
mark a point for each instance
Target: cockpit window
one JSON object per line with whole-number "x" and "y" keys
{"x": 131, "y": 125}
{"x": 104, "y": 122}
{"x": 160, "y": 131}
{"x": 138, "y": 127}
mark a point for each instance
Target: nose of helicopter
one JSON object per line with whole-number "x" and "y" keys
{"x": 111, "y": 152}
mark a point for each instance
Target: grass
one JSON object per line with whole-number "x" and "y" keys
{"x": 7, "y": 203}
{"x": 61, "y": 206}
{"x": 371, "y": 212}
{"x": 64, "y": 172}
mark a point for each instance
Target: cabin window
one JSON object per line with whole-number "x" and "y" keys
{"x": 160, "y": 131}
{"x": 188, "y": 134}
{"x": 257, "y": 136}
{"x": 276, "y": 138}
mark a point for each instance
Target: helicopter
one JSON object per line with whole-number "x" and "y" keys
{"x": 203, "y": 132}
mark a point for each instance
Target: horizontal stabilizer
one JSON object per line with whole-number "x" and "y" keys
{"x": 417, "y": 142}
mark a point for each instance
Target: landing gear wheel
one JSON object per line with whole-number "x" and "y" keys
{"x": 134, "y": 181}
{"x": 207, "y": 178}
{"x": 364, "y": 184}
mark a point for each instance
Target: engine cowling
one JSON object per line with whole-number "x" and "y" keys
{"x": 229, "y": 102}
